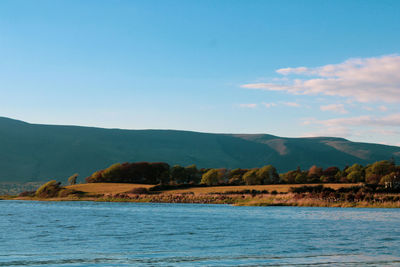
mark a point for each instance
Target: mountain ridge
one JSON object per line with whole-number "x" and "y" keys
{"x": 37, "y": 152}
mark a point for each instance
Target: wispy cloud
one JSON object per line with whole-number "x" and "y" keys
{"x": 338, "y": 131}
{"x": 251, "y": 105}
{"x": 385, "y": 132}
{"x": 338, "y": 108}
{"x": 383, "y": 108}
{"x": 292, "y": 104}
{"x": 390, "y": 120}
{"x": 360, "y": 79}
{"x": 356, "y": 126}
{"x": 269, "y": 105}
{"x": 368, "y": 108}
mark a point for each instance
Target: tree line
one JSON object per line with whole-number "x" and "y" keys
{"x": 382, "y": 172}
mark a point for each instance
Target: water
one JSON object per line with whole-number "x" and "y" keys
{"x": 145, "y": 234}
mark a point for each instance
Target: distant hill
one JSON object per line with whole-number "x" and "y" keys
{"x": 34, "y": 152}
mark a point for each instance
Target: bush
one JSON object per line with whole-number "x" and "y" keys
{"x": 307, "y": 189}
{"x": 49, "y": 189}
{"x": 243, "y": 192}
{"x": 352, "y": 189}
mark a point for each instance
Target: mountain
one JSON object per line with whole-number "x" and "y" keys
{"x": 35, "y": 152}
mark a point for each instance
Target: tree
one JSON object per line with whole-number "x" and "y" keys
{"x": 210, "y": 177}
{"x": 377, "y": 170}
{"x": 301, "y": 177}
{"x": 355, "y": 173}
{"x": 112, "y": 172}
{"x": 355, "y": 176}
{"x": 96, "y": 177}
{"x": 267, "y": 175}
{"x": 72, "y": 179}
{"x": 158, "y": 173}
{"x": 179, "y": 174}
{"x": 354, "y": 167}
{"x": 235, "y": 176}
{"x": 223, "y": 175}
{"x": 289, "y": 177}
{"x": 314, "y": 174}
{"x": 250, "y": 177}
{"x": 193, "y": 173}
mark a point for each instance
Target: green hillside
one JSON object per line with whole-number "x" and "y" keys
{"x": 33, "y": 152}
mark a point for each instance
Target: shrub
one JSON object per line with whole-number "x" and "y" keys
{"x": 49, "y": 189}
{"x": 307, "y": 189}
{"x": 243, "y": 192}
{"x": 352, "y": 189}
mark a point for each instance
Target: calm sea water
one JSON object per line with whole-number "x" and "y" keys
{"x": 143, "y": 234}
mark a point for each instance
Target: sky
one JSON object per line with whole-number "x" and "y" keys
{"x": 287, "y": 68}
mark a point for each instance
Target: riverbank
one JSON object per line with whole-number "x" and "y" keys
{"x": 236, "y": 200}
{"x": 328, "y": 195}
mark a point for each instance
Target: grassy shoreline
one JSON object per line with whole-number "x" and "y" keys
{"x": 269, "y": 201}
{"x": 227, "y": 197}
{"x": 242, "y": 196}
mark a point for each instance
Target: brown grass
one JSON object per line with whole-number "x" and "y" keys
{"x": 278, "y": 187}
{"x": 116, "y": 188}
{"x": 118, "y": 192}
{"x": 289, "y": 200}
{"x": 106, "y": 188}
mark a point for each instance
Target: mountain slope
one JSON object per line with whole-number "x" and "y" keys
{"x": 33, "y": 152}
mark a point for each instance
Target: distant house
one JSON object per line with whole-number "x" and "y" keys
{"x": 394, "y": 183}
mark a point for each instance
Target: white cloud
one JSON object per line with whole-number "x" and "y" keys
{"x": 368, "y": 108}
{"x": 390, "y": 120}
{"x": 338, "y": 108}
{"x": 385, "y": 131}
{"x": 360, "y": 126}
{"x": 383, "y": 108}
{"x": 269, "y": 105}
{"x": 359, "y": 79}
{"x": 338, "y": 132}
{"x": 292, "y": 104}
{"x": 248, "y": 105}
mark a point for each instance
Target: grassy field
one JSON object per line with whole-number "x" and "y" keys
{"x": 116, "y": 188}
{"x": 106, "y": 188}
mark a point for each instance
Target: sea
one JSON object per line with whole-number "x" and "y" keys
{"x": 78, "y": 233}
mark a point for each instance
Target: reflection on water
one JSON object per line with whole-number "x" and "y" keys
{"x": 126, "y": 234}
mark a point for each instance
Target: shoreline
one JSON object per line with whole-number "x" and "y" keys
{"x": 289, "y": 200}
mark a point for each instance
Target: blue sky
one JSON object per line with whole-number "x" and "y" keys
{"x": 289, "y": 68}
